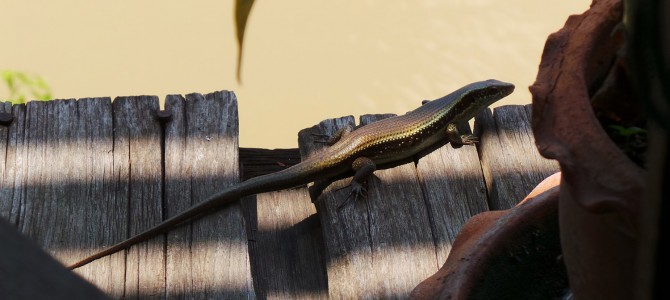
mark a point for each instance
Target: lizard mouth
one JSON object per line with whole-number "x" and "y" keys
{"x": 502, "y": 88}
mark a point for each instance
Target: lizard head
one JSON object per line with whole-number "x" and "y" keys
{"x": 469, "y": 100}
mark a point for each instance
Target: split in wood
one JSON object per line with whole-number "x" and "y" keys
{"x": 164, "y": 116}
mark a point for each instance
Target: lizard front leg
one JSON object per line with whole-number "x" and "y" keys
{"x": 457, "y": 139}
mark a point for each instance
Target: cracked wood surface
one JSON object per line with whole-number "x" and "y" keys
{"x": 81, "y": 175}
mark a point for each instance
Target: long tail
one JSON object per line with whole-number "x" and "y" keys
{"x": 287, "y": 178}
{"x": 227, "y": 196}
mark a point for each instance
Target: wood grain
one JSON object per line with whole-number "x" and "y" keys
{"x": 104, "y": 215}
{"x": 58, "y": 158}
{"x": 11, "y": 174}
{"x": 454, "y": 190}
{"x": 208, "y": 258}
{"x": 511, "y": 164}
{"x": 81, "y": 175}
{"x": 381, "y": 246}
{"x": 286, "y": 245}
{"x": 27, "y": 272}
{"x": 137, "y": 164}
{"x": 256, "y": 161}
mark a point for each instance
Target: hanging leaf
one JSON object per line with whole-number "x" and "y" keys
{"x": 242, "y": 10}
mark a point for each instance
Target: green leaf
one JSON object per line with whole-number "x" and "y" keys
{"x": 242, "y": 11}
{"x": 8, "y": 76}
{"x": 20, "y": 85}
{"x": 627, "y": 131}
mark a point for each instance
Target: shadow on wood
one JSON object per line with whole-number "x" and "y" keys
{"x": 81, "y": 175}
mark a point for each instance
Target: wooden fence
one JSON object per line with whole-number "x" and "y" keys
{"x": 79, "y": 175}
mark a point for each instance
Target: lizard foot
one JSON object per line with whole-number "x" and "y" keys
{"x": 357, "y": 190}
{"x": 468, "y": 139}
{"x": 457, "y": 139}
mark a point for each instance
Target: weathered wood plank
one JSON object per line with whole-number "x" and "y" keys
{"x": 11, "y": 174}
{"x": 61, "y": 161}
{"x": 137, "y": 163}
{"x": 102, "y": 217}
{"x": 286, "y": 245}
{"x": 511, "y": 163}
{"x": 206, "y": 259}
{"x": 83, "y": 177}
{"x": 27, "y": 272}
{"x": 382, "y": 246}
{"x": 255, "y": 161}
{"x": 454, "y": 189}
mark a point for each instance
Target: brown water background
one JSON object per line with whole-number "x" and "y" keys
{"x": 304, "y": 60}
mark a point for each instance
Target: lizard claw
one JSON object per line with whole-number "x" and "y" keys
{"x": 468, "y": 139}
{"x": 357, "y": 190}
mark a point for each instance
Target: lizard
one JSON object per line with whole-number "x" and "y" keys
{"x": 360, "y": 152}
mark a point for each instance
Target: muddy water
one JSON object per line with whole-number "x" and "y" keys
{"x": 304, "y": 60}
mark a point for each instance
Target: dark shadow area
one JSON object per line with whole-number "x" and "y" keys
{"x": 27, "y": 272}
{"x": 256, "y": 162}
{"x": 85, "y": 201}
{"x": 531, "y": 267}
{"x": 273, "y": 259}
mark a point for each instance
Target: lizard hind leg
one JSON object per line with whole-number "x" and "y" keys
{"x": 317, "y": 188}
{"x": 364, "y": 167}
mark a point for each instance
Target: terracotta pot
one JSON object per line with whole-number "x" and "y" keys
{"x": 510, "y": 254}
{"x": 601, "y": 188}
